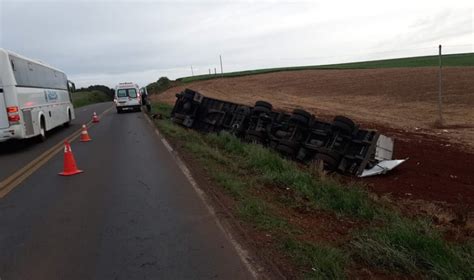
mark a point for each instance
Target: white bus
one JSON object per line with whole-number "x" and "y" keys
{"x": 34, "y": 98}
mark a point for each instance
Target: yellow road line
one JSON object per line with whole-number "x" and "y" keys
{"x": 20, "y": 175}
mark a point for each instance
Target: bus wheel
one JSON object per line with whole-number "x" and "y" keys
{"x": 68, "y": 123}
{"x": 42, "y": 134}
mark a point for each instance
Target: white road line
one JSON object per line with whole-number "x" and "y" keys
{"x": 243, "y": 254}
{"x": 167, "y": 145}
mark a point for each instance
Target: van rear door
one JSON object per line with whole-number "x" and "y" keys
{"x": 122, "y": 96}
{"x": 3, "y": 111}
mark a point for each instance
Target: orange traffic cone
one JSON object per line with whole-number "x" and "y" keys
{"x": 84, "y": 135}
{"x": 95, "y": 118}
{"x": 70, "y": 167}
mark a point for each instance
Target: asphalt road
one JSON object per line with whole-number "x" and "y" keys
{"x": 14, "y": 155}
{"x": 132, "y": 214}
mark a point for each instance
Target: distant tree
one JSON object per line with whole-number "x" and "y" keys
{"x": 104, "y": 89}
{"x": 160, "y": 85}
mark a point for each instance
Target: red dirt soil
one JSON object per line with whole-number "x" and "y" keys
{"x": 436, "y": 170}
{"x": 400, "y": 103}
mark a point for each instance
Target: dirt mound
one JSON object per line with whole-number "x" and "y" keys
{"x": 398, "y": 102}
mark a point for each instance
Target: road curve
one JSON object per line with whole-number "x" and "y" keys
{"x": 131, "y": 215}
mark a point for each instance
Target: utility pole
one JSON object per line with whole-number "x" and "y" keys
{"x": 215, "y": 71}
{"x": 222, "y": 70}
{"x": 192, "y": 72}
{"x": 209, "y": 71}
{"x": 440, "y": 93}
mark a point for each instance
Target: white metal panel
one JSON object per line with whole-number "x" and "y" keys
{"x": 384, "y": 148}
{"x": 382, "y": 167}
{"x": 46, "y": 100}
{"x": 3, "y": 112}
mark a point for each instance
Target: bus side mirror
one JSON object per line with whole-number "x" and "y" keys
{"x": 72, "y": 86}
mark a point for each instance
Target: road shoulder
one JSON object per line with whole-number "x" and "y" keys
{"x": 220, "y": 207}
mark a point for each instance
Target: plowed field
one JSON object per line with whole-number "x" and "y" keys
{"x": 400, "y": 102}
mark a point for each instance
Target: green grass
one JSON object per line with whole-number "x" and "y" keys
{"x": 83, "y": 98}
{"x": 325, "y": 262}
{"x": 413, "y": 246}
{"x": 258, "y": 212}
{"x": 465, "y": 59}
{"x": 387, "y": 242}
{"x": 271, "y": 169}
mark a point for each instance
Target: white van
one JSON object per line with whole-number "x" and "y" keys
{"x": 34, "y": 97}
{"x": 127, "y": 97}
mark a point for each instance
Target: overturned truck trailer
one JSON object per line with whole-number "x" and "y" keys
{"x": 341, "y": 145}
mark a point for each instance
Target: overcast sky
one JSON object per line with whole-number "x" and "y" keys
{"x": 106, "y": 42}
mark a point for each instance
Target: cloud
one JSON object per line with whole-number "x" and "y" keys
{"x": 109, "y": 41}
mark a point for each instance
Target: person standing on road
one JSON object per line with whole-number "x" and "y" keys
{"x": 144, "y": 96}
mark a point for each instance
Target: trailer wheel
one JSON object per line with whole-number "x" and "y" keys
{"x": 302, "y": 113}
{"x": 188, "y": 94}
{"x": 187, "y": 106}
{"x": 344, "y": 124}
{"x": 299, "y": 119}
{"x": 329, "y": 160}
{"x": 260, "y": 110}
{"x": 264, "y": 104}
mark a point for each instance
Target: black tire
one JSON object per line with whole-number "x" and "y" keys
{"x": 299, "y": 119}
{"x": 330, "y": 161}
{"x": 187, "y": 107}
{"x": 68, "y": 123}
{"x": 42, "y": 136}
{"x": 344, "y": 124}
{"x": 264, "y": 104}
{"x": 302, "y": 113}
{"x": 119, "y": 110}
{"x": 188, "y": 94}
{"x": 138, "y": 109}
{"x": 261, "y": 110}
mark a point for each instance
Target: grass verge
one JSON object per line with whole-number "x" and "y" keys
{"x": 385, "y": 241}
{"x": 83, "y": 98}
